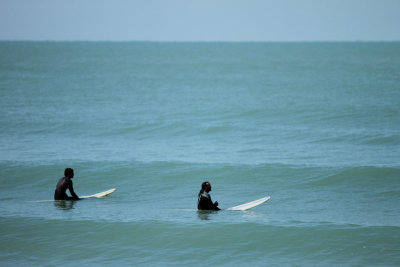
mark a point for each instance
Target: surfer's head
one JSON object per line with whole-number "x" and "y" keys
{"x": 206, "y": 186}
{"x": 69, "y": 173}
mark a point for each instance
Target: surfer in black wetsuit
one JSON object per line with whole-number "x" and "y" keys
{"x": 64, "y": 184}
{"x": 204, "y": 202}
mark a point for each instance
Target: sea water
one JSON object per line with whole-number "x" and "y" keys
{"x": 316, "y": 126}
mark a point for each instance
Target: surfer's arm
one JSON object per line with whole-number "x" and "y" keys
{"x": 207, "y": 204}
{"x": 71, "y": 190}
{"x": 215, "y": 206}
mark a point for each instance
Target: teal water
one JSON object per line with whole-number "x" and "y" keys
{"x": 316, "y": 126}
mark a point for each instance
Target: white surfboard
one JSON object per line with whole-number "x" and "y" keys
{"x": 98, "y": 195}
{"x": 251, "y": 204}
{"x": 101, "y": 194}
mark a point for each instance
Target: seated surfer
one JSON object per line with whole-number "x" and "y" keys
{"x": 204, "y": 201}
{"x": 64, "y": 184}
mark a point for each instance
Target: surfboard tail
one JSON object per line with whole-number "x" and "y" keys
{"x": 101, "y": 194}
{"x": 251, "y": 204}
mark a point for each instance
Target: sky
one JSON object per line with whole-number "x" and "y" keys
{"x": 200, "y": 20}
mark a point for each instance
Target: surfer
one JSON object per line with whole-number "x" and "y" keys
{"x": 64, "y": 184}
{"x": 204, "y": 201}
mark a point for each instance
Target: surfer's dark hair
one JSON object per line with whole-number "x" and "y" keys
{"x": 68, "y": 172}
{"x": 203, "y": 187}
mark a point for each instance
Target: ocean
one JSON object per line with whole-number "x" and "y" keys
{"x": 315, "y": 126}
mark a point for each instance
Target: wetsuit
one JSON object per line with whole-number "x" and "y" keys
{"x": 205, "y": 202}
{"x": 62, "y": 186}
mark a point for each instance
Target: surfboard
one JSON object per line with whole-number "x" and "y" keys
{"x": 97, "y": 195}
{"x": 101, "y": 194}
{"x": 251, "y": 204}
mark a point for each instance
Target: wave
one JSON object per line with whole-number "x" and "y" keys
{"x": 177, "y": 171}
{"x": 224, "y": 243}
{"x": 392, "y": 139}
{"x": 359, "y": 177}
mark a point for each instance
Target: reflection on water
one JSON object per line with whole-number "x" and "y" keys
{"x": 64, "y": 204}
{"x": 205, "y": 214}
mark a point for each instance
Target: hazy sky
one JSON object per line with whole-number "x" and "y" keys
{"x": 200, "y": 20}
